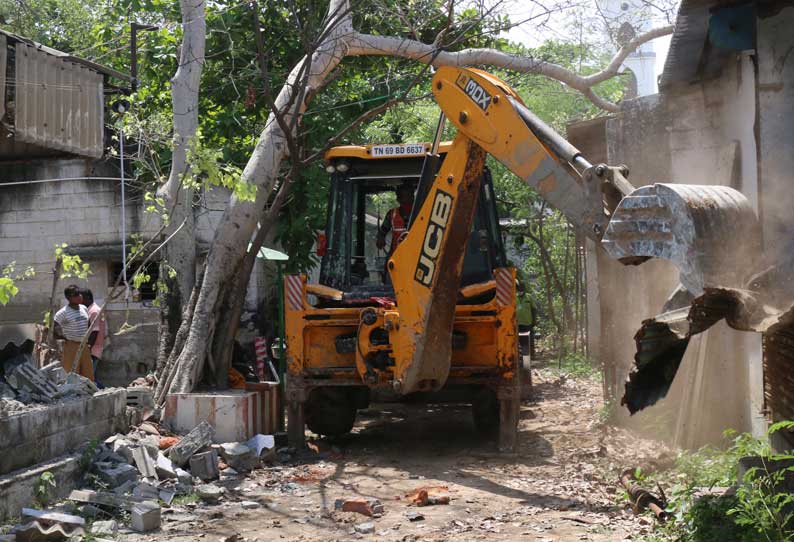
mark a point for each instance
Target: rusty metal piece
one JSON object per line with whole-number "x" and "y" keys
{"x": 642, "y": 499}
{"x": 709, "y": 232}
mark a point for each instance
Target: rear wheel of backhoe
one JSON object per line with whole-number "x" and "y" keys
{"x": 330, "y": 411}
{"x": 485, "y": 409}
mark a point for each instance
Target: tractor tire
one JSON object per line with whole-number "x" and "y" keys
{"x": 485, "y": 410}
{"x": 330, "y": 412}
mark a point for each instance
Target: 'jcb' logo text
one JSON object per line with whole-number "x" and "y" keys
{"x": 474, "y": 91}
{"x": 439, "y": 215}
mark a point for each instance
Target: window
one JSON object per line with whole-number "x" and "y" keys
{"x": 147, "y": 290}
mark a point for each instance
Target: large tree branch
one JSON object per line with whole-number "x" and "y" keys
{"x": 367, "y": 44}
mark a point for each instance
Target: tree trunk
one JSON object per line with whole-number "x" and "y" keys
{"x": 240, "y": 218}
{"x": 180, "y": 254}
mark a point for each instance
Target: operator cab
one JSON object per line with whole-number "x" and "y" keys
{"x": 364, "y": 185}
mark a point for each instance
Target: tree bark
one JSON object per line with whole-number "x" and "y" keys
{"x": 180, "y": 254}
{"x": 240, "y": 217}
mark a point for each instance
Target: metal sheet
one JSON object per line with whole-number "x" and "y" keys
{"x": 59, "y": 103}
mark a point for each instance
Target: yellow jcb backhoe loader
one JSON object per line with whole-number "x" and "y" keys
{"x": 438, "y": 316}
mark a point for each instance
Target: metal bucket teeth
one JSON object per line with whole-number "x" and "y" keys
{"x": 709, "y": 232}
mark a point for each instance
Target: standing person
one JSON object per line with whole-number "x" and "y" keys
{"x": 71, "y": 324}
{"x": 97, "y": 337}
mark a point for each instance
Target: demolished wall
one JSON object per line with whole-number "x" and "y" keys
{"x": 692, "y": 134}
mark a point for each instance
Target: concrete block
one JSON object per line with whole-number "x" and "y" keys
{"x": 230, "y": 413}
{"x": 145, "y": 517}
{"x": 140, "y": 397}
{"x": 205, "y": 465}
{"x": 184, "y": 477}
{"x": 146, "y": 491}
{"x": 164, "y": 467}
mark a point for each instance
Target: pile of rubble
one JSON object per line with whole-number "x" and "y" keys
{"x": 23, "y": 385}
{"x": 135, "y": 475}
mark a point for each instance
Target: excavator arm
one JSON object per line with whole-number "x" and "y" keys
{"x": 694, "y": 226}
{"x": 426, "y": 267}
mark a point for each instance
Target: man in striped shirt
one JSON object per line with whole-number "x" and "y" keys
{"x": 71, "y": 324}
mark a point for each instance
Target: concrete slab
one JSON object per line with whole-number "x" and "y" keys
{"x": 35, "y": 436}
{"x": 233, "y": 414}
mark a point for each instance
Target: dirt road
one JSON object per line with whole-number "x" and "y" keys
{"x": 560, "y": 486}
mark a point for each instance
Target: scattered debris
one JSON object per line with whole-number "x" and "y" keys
{"x": 47, "y": 516}
{"x": 641, "y": 498}
{"x": 200, "y": 437}
{"x": 365, "y": 528}
{"x": 167, "y": 442}
{"x": 102, "y": 528}
{"x": 429, "y": 495}
{"x": 210, "y": 493}
{"x": 413, "y": 515}
{"x": 367, "y": 507}
{"x": 239, "y": 456}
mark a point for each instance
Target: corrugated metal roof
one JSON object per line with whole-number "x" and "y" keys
{"x": 686, "y": 45}
{"x": 58, "y": 103}
{"x": 53, "y": 102}
{"x": 13, "y": 38}
{"x": 690, "y": 56}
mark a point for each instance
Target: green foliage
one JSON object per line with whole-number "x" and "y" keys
{"x": 576, "y": 365}
{"x": 8, "y": 279}
{"x": 759, "y": 510}
{"x": 188, "y": 498}
{"x": 70, "y": 266}
{"x": 44, "y": 490}
{"x": 87, "y": 457}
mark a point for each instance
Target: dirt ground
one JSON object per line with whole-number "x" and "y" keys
{"x": 560, "y": 486}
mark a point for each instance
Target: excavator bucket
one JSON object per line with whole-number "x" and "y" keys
{"x": 709, "y": 232}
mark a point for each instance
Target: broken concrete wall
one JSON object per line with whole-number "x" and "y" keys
{"x": 695, "y": 134}
{"x": 34, "y": 436}
{"x": 712, "y": 141}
